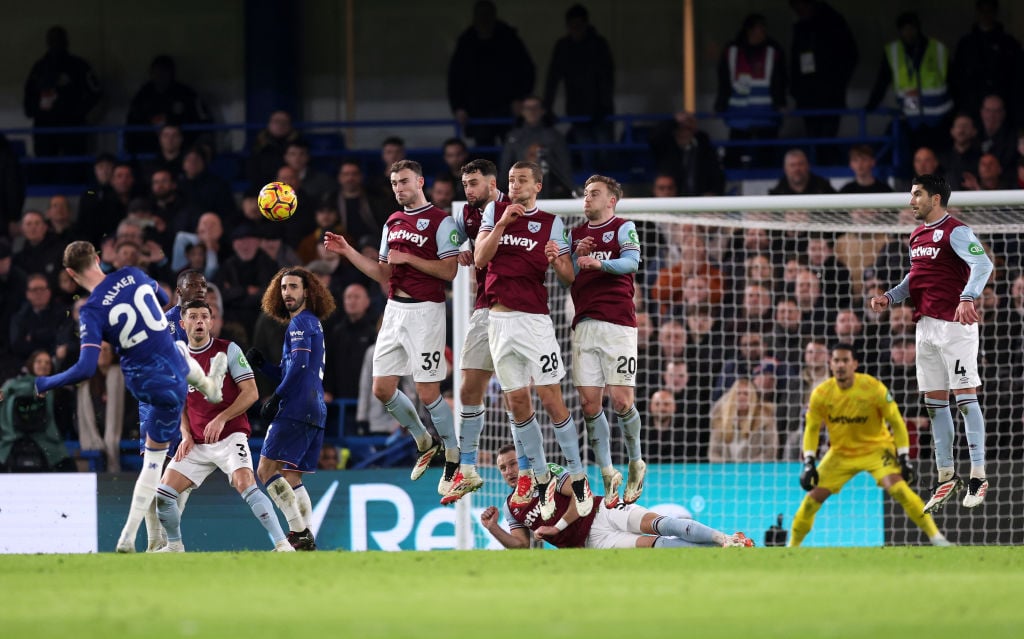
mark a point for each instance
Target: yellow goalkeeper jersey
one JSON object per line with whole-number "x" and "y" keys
{"x": 855, "y": 417}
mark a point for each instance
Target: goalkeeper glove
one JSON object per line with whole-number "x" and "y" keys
{"x": 255, "y": 357}
{"x": 270, "y": 407}
{"x": 808, "y": 475}
{"x": 907, "y": 469}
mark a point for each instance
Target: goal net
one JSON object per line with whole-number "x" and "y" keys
{"x": 738, "y": 301}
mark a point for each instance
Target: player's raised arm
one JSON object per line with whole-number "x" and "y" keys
{"x": 491, "y": 231}
{"x": 516, "y": 539}
{"x": 378, "y": 270}
{"x": 88, "y": 359}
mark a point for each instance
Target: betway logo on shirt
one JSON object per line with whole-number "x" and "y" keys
{"x": 402, "y": 234}
{"x": 925, "y": 251}
{"x": 843, "y": 419}
{"x": 513, "y": 240}
{"x": 601, "y": 255}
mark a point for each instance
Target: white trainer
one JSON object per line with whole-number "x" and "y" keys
{"x": 525, "y": 487}
{"x": 584, "y": 498}
{"x": 977, "y": 488}
{"x": 125, "y": 546}
{"x": 158, "y": 542}
{"x": 737, "y": 540}
{"x": 172, "y": 546}
{"x": 283, "y": 546}
{"x": 218, "y": 369}
{"x": 612, "y": 483}
{"x": 465, "y": 483}
{"x": 546, "y": 492}
{"x": 635, "y": 482}
{"x": 449, "y": 476}
{"x": 944, "y": 491}
{"x": 423, "y": 461}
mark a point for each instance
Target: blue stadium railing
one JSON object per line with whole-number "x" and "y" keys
{"x": 631, "y": 152}
{"x": 364, "y": 450}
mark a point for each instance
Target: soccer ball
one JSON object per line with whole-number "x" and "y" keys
{"x": 277, "y": 201}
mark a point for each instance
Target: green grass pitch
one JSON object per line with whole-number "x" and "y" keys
{"x": 763, "y": 592}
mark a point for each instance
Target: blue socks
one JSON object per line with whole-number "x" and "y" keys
{"x": 444, "y": 422}
{"x": 401, "y": 409}
{"x": 167, "y": 510}
{"x": 974, "y": 425}
{"x": 599, "y": 433}
{"x": 689, "y": 530}
{"x": 521, "y": 459}
{"x": 264, "y": 512}
{"x": 569, "y": 441}
{"x": 630, "y": 422}
{"x": 942, "y": 433}
{"x": 533, "y": 445}
{"x": 469, "y": 433}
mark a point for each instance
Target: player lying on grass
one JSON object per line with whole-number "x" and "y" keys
{"x": 625, "y": 526}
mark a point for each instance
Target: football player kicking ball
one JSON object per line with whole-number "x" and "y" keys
{"x": 856, "y": 407}
{"x": 625, "y": 526}
{"x": 124, "y": 309}
{"x": 214, "y": 437}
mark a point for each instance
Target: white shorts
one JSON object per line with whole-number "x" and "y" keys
{"x": 524, "y": 350}
{"x": 411, "y": 341}
{"x": 603, "y": 354}
{"x": 229, "y": 454}
{"x": 618, "y": 527}
{"x": 947, "y": 355}
{"x": 476, "y": 351}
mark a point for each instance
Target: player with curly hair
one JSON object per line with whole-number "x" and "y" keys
{"x": 296, "y": 410}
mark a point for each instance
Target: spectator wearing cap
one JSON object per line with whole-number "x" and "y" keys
{"x": 243, "y": 277}
{"x": 12, "y": 296}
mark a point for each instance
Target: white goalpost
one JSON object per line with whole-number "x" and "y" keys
{"x": 747, "y": 292}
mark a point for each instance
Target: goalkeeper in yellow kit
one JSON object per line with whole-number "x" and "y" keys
{"x": 855, "y": 407}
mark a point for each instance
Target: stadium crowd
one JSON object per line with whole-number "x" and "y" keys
{"x": 735, "y": 324}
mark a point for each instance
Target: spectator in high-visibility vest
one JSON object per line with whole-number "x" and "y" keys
{"x": 917, "y": 66}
